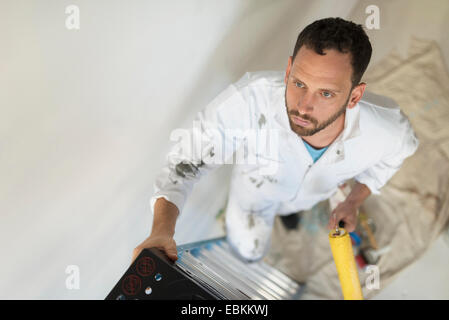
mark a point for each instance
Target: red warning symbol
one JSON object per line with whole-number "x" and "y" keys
{"x": 145, "y": 266}
{"x": 131, "y": 285}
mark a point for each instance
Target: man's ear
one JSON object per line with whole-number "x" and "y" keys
{"x": 356, "y": 95}
{"x": 287, "y": 71}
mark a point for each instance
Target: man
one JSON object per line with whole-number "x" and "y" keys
{"x": 313, "y": 131}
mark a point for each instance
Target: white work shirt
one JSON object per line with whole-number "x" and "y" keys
{"x": 376, "y": 139}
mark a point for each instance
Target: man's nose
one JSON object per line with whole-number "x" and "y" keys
{"x": 305, "y": 104}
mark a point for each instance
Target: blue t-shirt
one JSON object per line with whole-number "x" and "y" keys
{"x": 315, "y": 153}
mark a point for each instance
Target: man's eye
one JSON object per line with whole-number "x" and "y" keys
{"x": 327, "y": 94}
{"x": 298, "y": 84}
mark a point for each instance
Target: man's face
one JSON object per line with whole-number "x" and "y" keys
{"x": 318, "y": 89}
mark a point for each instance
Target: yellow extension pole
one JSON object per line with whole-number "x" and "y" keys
{"x": 341, "y": 247}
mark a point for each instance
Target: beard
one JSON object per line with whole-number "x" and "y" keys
{"x": 302, "y": 131}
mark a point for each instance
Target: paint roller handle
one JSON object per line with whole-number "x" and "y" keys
{"x": 344, "y": 215}
{"x": 340, "y": 224}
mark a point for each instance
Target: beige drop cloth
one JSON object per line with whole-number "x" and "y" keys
{"x": 412, "y": 209}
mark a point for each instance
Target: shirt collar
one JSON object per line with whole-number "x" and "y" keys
{"x": 352, "y": 123}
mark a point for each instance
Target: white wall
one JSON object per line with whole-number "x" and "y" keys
{"x": 85, "y": 117}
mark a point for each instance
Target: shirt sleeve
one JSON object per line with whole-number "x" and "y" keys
{"x": 379, "y": 174}
{"x": 210, "y": 143}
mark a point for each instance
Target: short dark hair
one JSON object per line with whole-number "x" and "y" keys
{"x": 344, "y": 36}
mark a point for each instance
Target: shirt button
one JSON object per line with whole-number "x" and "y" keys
{"x": 338, "y": 151}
